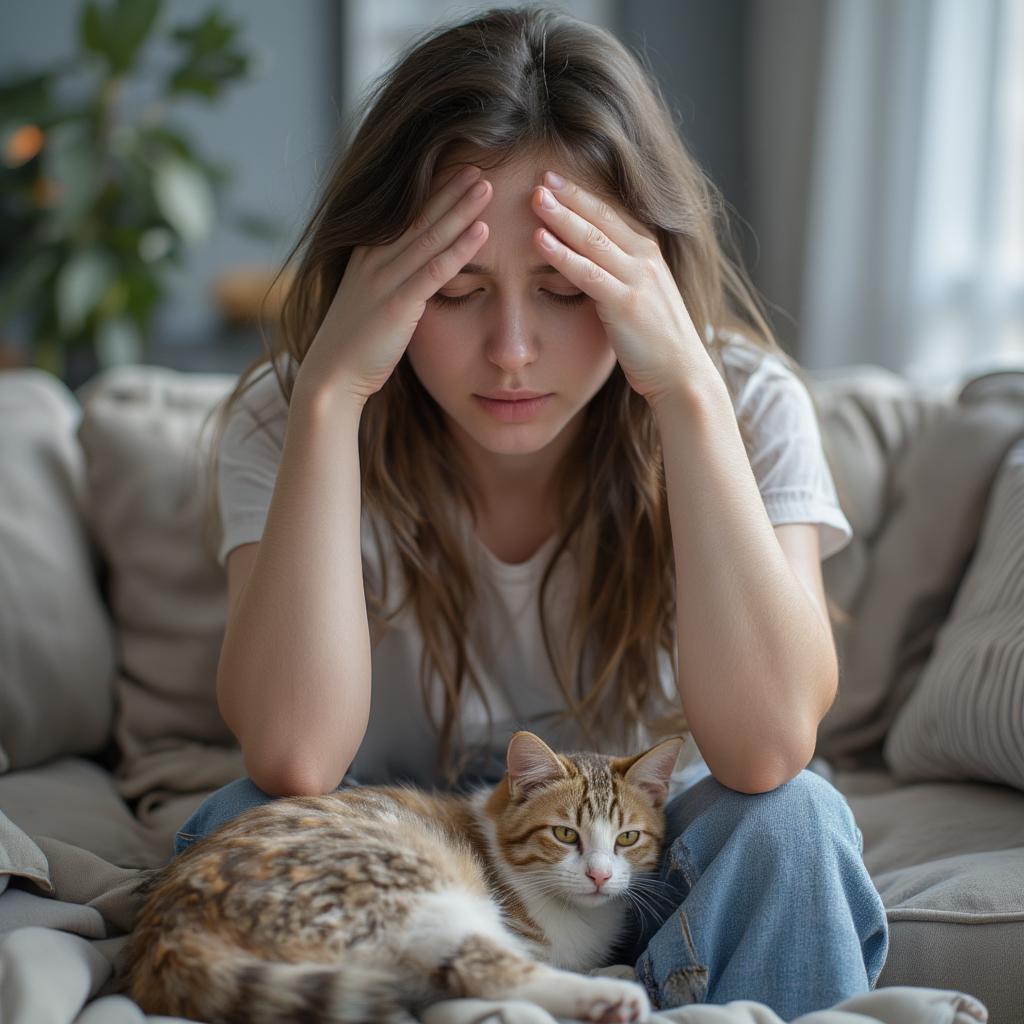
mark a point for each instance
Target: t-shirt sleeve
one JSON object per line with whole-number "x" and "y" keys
{"x": 249, "y": 455}
{"x": 786, "y": 454}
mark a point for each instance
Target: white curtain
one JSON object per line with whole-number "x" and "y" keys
{"x": 914, "y": 249}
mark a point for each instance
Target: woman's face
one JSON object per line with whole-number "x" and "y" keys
{"x": 516, "y": 329}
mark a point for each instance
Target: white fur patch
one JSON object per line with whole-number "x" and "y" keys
{"x": 443, "y": 919}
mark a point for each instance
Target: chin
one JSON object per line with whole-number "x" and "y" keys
{"x": 594, "y": 899}
{"x": 511, "y": 438}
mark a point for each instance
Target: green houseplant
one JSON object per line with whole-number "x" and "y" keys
{"x": 98, "y": 207}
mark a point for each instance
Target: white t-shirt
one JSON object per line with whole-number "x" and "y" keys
{"x": 795, "y": 484}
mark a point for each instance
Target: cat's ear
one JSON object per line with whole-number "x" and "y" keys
{"x": 651, "y": 771}
{"x": 531, "y": 763}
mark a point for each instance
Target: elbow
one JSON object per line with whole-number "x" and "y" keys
{"x": 774, "y": 769}
{"x": 290, "y": 779}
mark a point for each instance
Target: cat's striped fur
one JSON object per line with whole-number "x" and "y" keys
{"x": 373, "y": 903}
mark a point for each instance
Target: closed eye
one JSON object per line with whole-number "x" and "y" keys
{"x": 459, "y": 300}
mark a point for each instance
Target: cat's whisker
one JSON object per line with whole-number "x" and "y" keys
{"x": 652, "y": 884}
{"x": 657, "y": 900}
{"x": 637, "y": 901}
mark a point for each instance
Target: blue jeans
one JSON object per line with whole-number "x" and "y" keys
{"x": 761, "y": 896}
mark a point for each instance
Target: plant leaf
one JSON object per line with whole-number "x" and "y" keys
{"x": 118, "y": 31}
{"x": 184, "y": 197}
{"x": 80, "y": 285}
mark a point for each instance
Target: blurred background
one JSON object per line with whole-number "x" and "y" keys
{"x": 160, "y": 159}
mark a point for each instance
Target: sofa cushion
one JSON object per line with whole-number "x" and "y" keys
{"x": 75, "y": 801}
{"x": 947, "y": 859}
{"x": 965, "y": 718}
{"x": 147, "y": 456}
{"x": 900, "y": 575}
{"x": 57, "y": 643}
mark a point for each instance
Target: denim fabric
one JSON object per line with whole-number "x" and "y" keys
{"x": 760, "y": 896}
{"x": 768, "y": 899}
{"x": 224, "y": 804}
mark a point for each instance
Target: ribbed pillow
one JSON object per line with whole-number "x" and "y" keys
{"x": 965, "y": 718}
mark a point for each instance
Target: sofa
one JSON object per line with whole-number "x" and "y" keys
{"x": 112, "y": 609}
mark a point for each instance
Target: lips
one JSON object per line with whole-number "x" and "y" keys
{"x": 512, "y": 396}
{"x": 518, "y": 411}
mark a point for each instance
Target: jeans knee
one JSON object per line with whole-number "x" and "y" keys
{"x": 221, "y": 806}
{"x": 810, "y": 798}
{"x": 801, "y": 811}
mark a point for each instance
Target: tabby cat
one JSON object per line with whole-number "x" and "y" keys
{"x": 383, "y": 903}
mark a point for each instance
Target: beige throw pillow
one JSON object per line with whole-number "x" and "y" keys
{"x": 941, "y": 458}
{"x": 147, "y": 471}
{"x": 965, "y": 718}
{"x": 56, "y": 637}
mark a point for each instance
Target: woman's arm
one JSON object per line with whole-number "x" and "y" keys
{"x": 757, "y": 665}
{"x": 293, "y": 682}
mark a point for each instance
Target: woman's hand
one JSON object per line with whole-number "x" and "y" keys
{"x": 384, "y": 290}
{"x": 617, "y": 261}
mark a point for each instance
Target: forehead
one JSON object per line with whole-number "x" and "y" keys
{"x": 511, "y": 220}
{"x": 591, "y": 788}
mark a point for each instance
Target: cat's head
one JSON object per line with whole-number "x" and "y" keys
{"x": 580, "y": 826}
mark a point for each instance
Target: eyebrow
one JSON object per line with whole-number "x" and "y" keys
{"x": 477, "y": 268}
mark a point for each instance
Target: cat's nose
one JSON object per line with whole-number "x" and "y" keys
{"x": 598, "y": 875}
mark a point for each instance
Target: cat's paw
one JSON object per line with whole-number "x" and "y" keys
{"x": 611, "y": 1001}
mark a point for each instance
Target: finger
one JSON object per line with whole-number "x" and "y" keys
{"x": 619, "y": 225}
{"x": 588, "y": 276}
{"x": 582, "y": 235}
{"x": 444, "y": 265}
{"x": 438, "y": 237}
{"x": 437, "y": 205}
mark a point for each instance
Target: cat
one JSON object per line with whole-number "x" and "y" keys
{"x": 384, "y": 903}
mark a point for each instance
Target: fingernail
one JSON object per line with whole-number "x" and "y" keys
{"x": 554, "y": 180}
{"x": 547, "y": 200}
{"x": 478, "y": 190}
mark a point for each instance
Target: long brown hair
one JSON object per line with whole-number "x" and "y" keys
{"x": 506, "y": 82}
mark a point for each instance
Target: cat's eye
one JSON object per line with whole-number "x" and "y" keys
{"x": 564, "y": 834}
{"x": 628, "y": 838}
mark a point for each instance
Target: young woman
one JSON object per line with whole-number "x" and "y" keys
{"x": 526, "y": 420}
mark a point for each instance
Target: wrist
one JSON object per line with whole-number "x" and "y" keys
{"x": 690, "y": 397}
{"x": 326, "y": 401}
{"x": 322, "y": 413}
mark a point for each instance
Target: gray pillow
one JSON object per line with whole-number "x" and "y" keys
{"x": 147, "y": 456}
{"x": 965, "y": 718}
{"x": 57, "y": 641}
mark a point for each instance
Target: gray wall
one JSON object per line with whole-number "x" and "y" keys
{"x": 274, "y": 130}
{"x": 697, "y": 50}
{"x": 278, "y": 129}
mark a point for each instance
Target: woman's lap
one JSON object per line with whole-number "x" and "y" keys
{"x": 224, "y": 804}
{"x": 751, "y": 888}
{"x": 765, "y": 896}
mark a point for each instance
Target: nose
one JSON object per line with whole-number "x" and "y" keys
{"x": 598, "y": 875}
{"x": 510, "y": 344}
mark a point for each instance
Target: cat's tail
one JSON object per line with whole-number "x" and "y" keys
{"x": 221, "y": 987}
{"x": 353, "y": 992}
